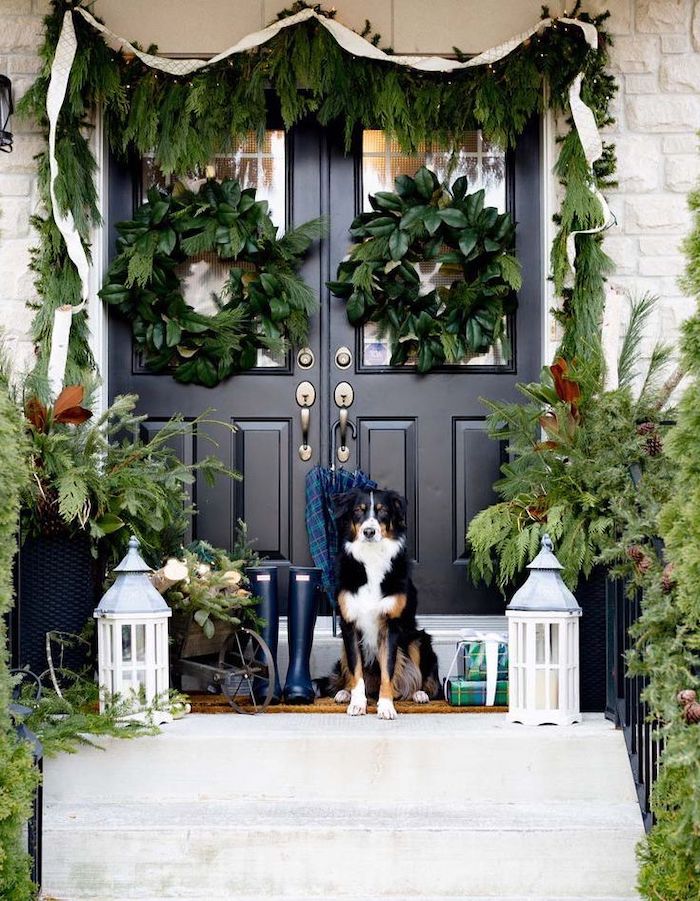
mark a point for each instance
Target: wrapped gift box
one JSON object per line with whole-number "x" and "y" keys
{"x": 462, "y": 692}
{"x": 478, "y": 676}
{"x": 473, "y": 664}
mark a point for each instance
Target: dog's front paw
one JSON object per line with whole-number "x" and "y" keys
{"x": 342, "y": 697}
{"x": 386, "y": 709}
{"x": 357, "y": 707}
{"x": 421, "y": 697}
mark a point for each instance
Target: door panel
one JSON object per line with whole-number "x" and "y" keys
{"x": 425, "y": 434}
{"x": 422, "y": 435}
{"x": 260, "y": 402}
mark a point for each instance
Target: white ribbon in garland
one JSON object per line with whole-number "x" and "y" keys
{"x": 351, "y": 42}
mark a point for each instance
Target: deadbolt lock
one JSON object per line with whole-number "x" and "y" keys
{"x": 343, "y": 358}
{"x": 305, "y": 358}
{"x": 343, "y": 395}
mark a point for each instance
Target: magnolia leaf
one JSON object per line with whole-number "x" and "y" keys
{"x": 467, "y": 241}
{"x": 452, "y": 217}
{"x": 36, "y": 413}
{"x": 425, "y": 182}
{"x": 108, "y": 523}
{"x": 398, "y": 244}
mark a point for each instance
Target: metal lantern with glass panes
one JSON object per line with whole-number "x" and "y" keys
{"x": 132, "y": 639}
{"x": 543, "y": 625}
{"x": 6, "y": 110}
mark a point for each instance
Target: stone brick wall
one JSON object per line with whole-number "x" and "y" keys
{"x": 656, "y": 59}
{"x": 20, "y": 35}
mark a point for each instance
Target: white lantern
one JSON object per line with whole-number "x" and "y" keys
{"x": 132, "y": 639}
{"x": 543, "y": 668}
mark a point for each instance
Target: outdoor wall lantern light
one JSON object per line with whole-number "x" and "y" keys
{"x": 6, "y": 110}
{"x": 132, "y": 640}
{"x": 543, "y": 622}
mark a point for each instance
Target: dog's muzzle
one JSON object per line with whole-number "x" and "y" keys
{"x": 370, "y": 531}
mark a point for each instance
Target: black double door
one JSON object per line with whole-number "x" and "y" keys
{"x": 338, "y": 397}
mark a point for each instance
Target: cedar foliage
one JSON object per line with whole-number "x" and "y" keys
{"x": 570, "y": 447}
{"x": 668, "y": 636}
{"x": 186, "y": 121}
{"x": 17, "y": 774}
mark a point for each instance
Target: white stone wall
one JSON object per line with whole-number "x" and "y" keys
{"x": 656, "y": 59}
{"x": 20, "y": 35}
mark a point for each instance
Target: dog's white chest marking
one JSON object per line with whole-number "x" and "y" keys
{"x": 366, "y": 606}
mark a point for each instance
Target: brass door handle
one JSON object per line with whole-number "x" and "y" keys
{"x": 343, "y": 452}
{"x": 304, "y": 447}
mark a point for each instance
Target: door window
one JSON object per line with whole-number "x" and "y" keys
{"x": 256, "y": 163}
{"x": 484, "y": 165}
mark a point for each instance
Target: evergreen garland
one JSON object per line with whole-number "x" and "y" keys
{"x": 186, "y": 121}
{"x": 264, "y": 309}
{"x": 668, "y": 636}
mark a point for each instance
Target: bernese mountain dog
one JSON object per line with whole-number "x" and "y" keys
{"x": 385, "y": 655}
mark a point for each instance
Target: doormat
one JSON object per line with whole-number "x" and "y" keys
{"x": 202, "y": 702}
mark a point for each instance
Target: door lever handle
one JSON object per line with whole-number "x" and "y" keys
{"x": 343, "y": 452}
{"x": 305, "y": 448}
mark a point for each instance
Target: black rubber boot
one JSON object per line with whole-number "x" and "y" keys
{"x": 263, "y": 584}
{"x": 302, "y": 606}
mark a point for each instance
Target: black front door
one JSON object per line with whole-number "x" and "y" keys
{"x": 423, "y": 435}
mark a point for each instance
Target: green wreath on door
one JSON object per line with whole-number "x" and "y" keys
{"x": 264, "y": 305}
{"x": 473, "y": 246}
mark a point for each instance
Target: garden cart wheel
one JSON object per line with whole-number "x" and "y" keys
{"x": 247, "y": 671}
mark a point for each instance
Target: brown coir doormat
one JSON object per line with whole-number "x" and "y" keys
{"x": 206, "y": 703}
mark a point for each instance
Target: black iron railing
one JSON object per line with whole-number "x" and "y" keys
{"x": 35, "y": 826}
{"x": 624, "y": 704}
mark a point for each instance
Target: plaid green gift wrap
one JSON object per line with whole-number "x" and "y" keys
{"x": 473, "y": 662}
{"x": 463, "y": 692}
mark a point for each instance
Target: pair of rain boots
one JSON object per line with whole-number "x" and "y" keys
{"x": 302, "y": 607}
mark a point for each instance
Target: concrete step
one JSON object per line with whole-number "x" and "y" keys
{"x": 300, "y": 850}
{"x": 332, "y": 757}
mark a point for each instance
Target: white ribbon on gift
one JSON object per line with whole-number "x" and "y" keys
{"x": 351, "y": 42}
{"x": 491, "y": 641}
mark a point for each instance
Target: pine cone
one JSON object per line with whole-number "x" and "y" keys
{"x": 639, "y": 558}
{"x": 688, "y": 700}
{"x": 653, "y": 446}
{"x": 667, "y": 578}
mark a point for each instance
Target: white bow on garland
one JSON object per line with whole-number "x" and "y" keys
{"x": 350, "y": 41}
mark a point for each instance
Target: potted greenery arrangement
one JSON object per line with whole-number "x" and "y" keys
{"x": 572, "y": 448}
{"x": 94, "y": 481}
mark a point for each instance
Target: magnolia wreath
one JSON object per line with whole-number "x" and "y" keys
{"x": 468, "y": 245}
{"x": 263, "y": 305}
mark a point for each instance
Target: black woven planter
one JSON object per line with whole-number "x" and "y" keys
{"x": 590, "y": 594}
{"x": 59, "y": 585}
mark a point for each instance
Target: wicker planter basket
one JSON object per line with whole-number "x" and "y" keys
{"x": 59, "y": 584}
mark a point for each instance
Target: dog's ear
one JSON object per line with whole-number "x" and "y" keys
{"x": 343, "y": 503}
{"x": 398, "y": 507}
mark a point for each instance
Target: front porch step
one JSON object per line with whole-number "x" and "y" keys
{"x": 325, "y": 806}
{"x": 332, "y": 757}
{"x": 300, "y": 850}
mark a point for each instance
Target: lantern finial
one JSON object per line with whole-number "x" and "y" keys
{"x": 547, "y": 543}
